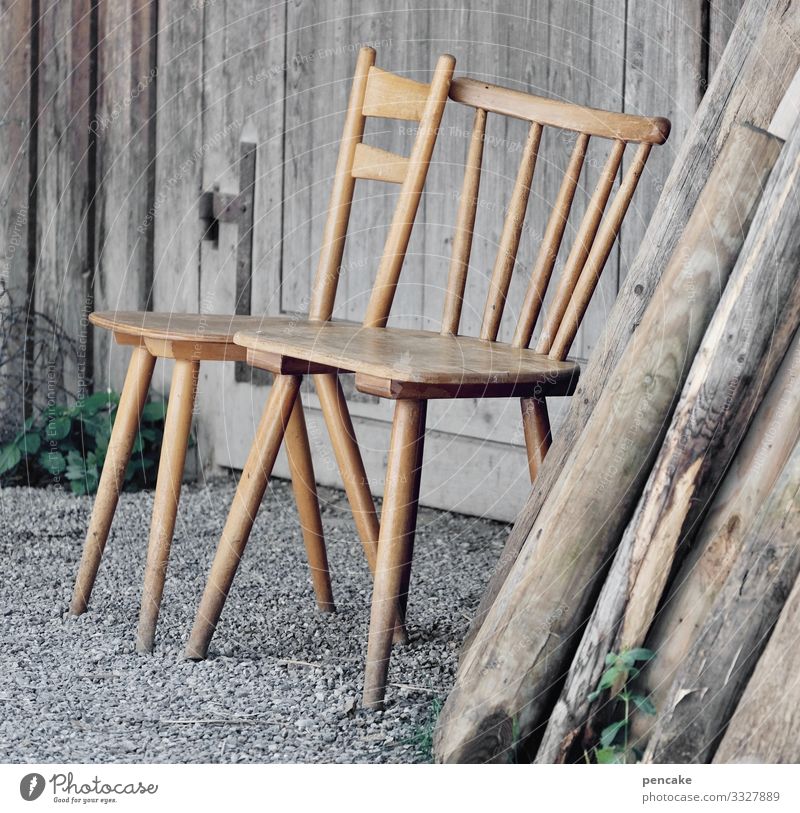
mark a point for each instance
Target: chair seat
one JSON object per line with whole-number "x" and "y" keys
{"x": 193, "y": 336}
{"x": 180, "y": 327}
{"x": 401, "y": 363}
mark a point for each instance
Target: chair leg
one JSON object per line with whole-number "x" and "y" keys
{"x": 168, "y": 492}
{"x": 246, "y": 502}
{"x": 112, "y": 478}
{"x": 536, "y": 427}
{"x": 411, "y": 525}
{"x": 304, "y": 485}
{"x": 348, "y": 457}
{"x": 354, "y": 475}
{"x": 396, "y": 538}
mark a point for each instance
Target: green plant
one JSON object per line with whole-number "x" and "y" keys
{"x": 621, "y": 670}
{"x": 68, "y": 445}
{"x": 422, "y": 737}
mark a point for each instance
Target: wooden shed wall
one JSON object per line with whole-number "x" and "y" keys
{"x": 118, "y": 114}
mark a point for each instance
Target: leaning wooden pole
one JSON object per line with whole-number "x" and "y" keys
{"x": 748, "y": 481}
{"x": 756, "y": 68}
{"x": 504, "y": 679}
{"x": 719, "y": 664}
{"x": 765, "y": 727}
{"x": 737, "y": 361}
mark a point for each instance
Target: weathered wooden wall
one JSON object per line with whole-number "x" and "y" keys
{"x": 138, "y": 107}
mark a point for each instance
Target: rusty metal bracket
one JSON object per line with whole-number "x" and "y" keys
{"x": 216, "y": 207}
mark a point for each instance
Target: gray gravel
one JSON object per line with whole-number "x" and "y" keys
{"x": 282, "y": 682}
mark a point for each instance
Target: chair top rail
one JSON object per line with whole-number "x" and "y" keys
{"x": 564, "y": 115}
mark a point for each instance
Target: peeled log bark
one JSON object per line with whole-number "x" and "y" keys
{"x": 756, "y": 68}
{"x": 752, "y": 474}
{"x": 719, "y": 664}
{"x": 765, "y": 728}
{"x": 743, "y": 346}
{"x": 529, "y": 634}
{"x": 745, "y": 343}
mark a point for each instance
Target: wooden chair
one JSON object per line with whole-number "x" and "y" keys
{"x": 412, "y": 366}
{"x": 192, "y": 338}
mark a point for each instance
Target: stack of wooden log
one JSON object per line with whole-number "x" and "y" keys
{"x": 657, "y": 559}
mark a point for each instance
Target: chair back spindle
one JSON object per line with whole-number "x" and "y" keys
{"x": 596, "y": 233}
{"x": 378, "y": 93}
{"x": 551, "y": 243}
{"x": 510, "y": 235}
{"x": 578, "y": 254}
{"x": 465, "y": 226}
{"x": 601, "y": 248}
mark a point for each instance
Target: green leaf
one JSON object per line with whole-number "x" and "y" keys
{"x": 148, "y": 433}
{"x": 607, "y": 756}
{"x": 59, "y": 411}
{"x": 30, "y": 443}
{"x": 10, "y": 455}
{"x": 93, "y": 403}
{"x": 76, "y": 468}
{"x": 641, "y": 654}
{"x": 154, "y": 411}
{"x": 611, "y": 658}
{"x": 138, "y": 444}
{"x": 610, "y": 732}
{"x": 101, "y": 441}
{"x": 85, "y": 472}
{"x": 92, "y": 474}
{"x": 644, "y": 704}
{"x": 57, "y": 427}
{"x": 592, "y": 696}
{"x": 102, "y": 432}
{"x": 52, "y": 462}
{"x": 610, "y": 677}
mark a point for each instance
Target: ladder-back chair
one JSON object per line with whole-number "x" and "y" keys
{"x": 413, "y": 366}
{"x": 192, "y": 338}
{"x": 375, "y": 93}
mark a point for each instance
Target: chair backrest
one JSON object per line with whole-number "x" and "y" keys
{"x": 385, "y": 95}
{"x": 595, "y": 235}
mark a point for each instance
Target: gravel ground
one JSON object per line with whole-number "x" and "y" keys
{"x": 282, "y": 682}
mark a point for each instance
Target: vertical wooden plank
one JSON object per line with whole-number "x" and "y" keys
{"x": 722, "y": 16}
{"x": 16, "y": 122}
{"x": 665, "y": 74}
{"x": 244, "y": 78}
{"x": 124, "y": 133}
{"x": 413, "y": 50}
{"x": 15, "y": 214}
{"x": 243, "y": 91}
{"x": 322, "y": 45}
{"x": 586, "y": 67}
{"x": 62, "y": 285}
{"x": 180, "y": 144}
{"x": 453, "y": 29}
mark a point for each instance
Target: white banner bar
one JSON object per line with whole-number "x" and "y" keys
{"x": 406, "y": 788}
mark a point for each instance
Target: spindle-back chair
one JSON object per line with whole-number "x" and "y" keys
{"x": 375, "y": 93}
{"x": 192, "y": 338}
{"x": 413, "y": 366}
